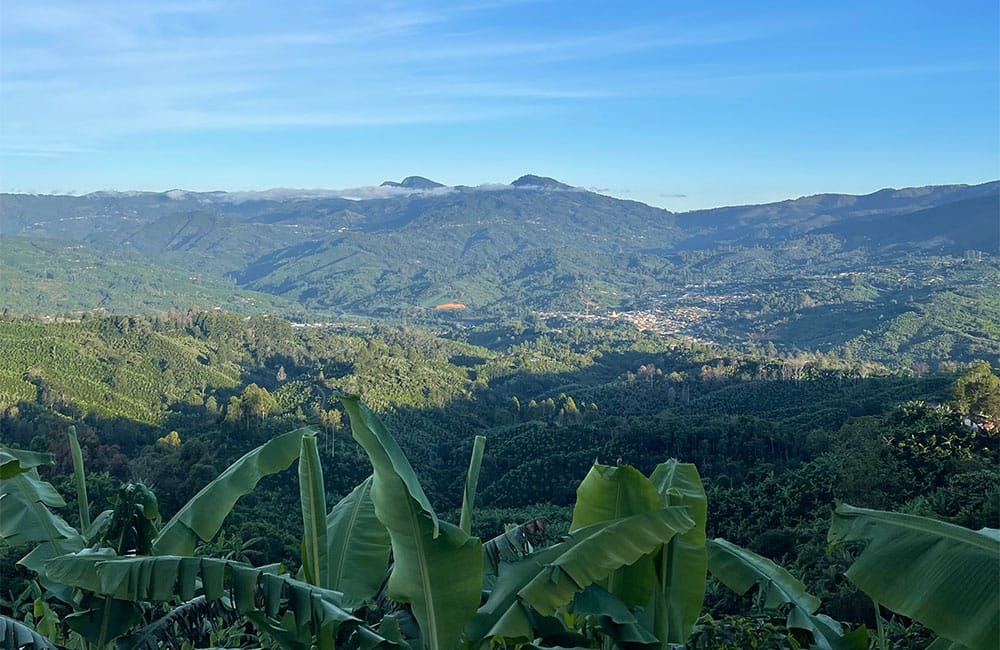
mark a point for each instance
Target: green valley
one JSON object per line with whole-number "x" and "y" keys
{"x": 788, "y": 357}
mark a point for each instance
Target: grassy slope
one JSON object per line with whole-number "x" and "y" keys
{"x": 51, "y": 276}
{"x": 99, "y": 369}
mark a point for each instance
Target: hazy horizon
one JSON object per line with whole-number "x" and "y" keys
{"x": 377, "y": 191}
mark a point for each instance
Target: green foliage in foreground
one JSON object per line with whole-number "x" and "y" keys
{"x": 741, "y": 569}
{"x": 15, "y": 634}
{"x": 928, "y": 570}
{"x": 628, "y": 572}
{"x": 776, "y": 440}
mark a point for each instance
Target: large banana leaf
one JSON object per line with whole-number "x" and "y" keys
{"x": 504, "y": 615}
{"x": 942, "y": 643}
{"x": 438, "y": 567}
{"x": 201, "y": 517}
{"x": 162, "y": 632}
{"x": 15, "y": 634}
{"x": 25, "y": 500}
{"x": 15, "y": 461}
{"x": 511, "y": 546}
{"x": 104, "y": 619}
{"x": 740, "y": 569}
{"x": 387, "y": 636}
{"x": 471, "y": 482}
{"x": 944, "y": 576}
{"x": 163, "y": 577}
{"x": 612, "y": 616}
{"x": 357, "y": 546}
{"x": 312, "y": 497}
{"x": 602, "y": 553}
{"x": 608, "y": 493}
{"x": 79, "y": 478}
{"x": 548, "y": 579}
{"x": 682, "y": 566}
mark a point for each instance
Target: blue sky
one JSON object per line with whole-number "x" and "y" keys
{"x": 678, "y": 104}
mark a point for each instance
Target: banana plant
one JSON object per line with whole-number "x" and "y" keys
{"x": 547, "y": 580}
{"x": 682, "y": 565}
{"x": 292, "y": 610}
{"x": 437, "y": 566}
{"x": 944, "y": 576}
{"x": 654, "y": 596}
{"x": 15, "y": 634}
{"x": 347, "y": 548}
{"x": 608, "y": 493}
{"x": 79, "y": 479}
{"x": 471, "y": 483}
{"x": 26, "y": 501}
{"x": 609, "y": 567}
{"x": 200, "y": 519}
{"x": 635, "y": 558}
{"x": 669, "y": 582}
{"x": 740, "y": 569}
{"x": 511, "y": 546}
{"x": 62, "y": 563}
{"x": 440, "y": 569}
{"x": 358, "y": 547}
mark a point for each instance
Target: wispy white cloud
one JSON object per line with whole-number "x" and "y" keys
{"x": 75, "y": 77}
{"x": 36, "y": 149}
{"x": 362, "y": 193}
{"x": 89, "y": 72}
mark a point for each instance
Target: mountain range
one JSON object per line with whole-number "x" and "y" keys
{"x": 537, "y": 244}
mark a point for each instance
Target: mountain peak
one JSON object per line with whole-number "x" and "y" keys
{"x": 541, "y": 182}
{"x": 414, "y": 183}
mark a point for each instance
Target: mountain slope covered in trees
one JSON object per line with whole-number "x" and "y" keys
{"x": 878, "y": 276}
{"x": 173, "y": 400}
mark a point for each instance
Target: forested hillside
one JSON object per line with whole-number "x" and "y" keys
{"x": 899, "y": 276}
{"x": 172, "y": 400}
{"x": 52, "y": 276}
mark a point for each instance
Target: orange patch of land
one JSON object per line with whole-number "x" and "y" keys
{"x": 450, "y": 305}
